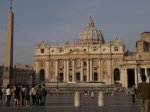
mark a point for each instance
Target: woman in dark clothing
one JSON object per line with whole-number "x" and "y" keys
{"x": 17, "y": 96}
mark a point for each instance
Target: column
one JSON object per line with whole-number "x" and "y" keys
{"x": 136, "y": 74}
{"x": 47, "y": 70}
{"x": 99, "y": 74}
{"x": 37, "y": 67}
{"x": 73, "y": 79}
{"x": 88, "y": 70}
{"x": 124, "y": 78}
{"x": 91, "y": 70}
{"x": 56, "y": 69}
{"x": 81, "y": 71}
{"x": 146, "y": 75}
{"x": 67, "y": 70}
{"x": 122, "y": 75}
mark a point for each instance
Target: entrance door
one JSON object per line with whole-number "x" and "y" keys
{"x": 131, "y": 77}
{"x": 116, "y": 75}
{"x": 95, "y": 76}
{"x": 42, "y": 75}
{"x": 61, "y": 77}
{"x": 77, "y": 76}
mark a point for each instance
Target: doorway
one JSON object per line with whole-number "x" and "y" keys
{"x": 42, "y": 75}
{"x": 130, "y": 77}
{"x": 77, "y": 76}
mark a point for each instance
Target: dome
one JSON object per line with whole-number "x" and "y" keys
{"x": 91, "y": 34}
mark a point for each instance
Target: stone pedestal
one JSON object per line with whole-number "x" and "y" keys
{"x": 77, "y": 99}
{"x": 6, "y": 78}
{"x": 100, "y": 99}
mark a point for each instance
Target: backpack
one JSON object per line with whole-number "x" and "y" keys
{"x": 44, "y": 92}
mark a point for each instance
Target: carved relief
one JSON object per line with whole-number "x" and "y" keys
{"x": 95, "y": 62}
{"x": 77, "y": 63}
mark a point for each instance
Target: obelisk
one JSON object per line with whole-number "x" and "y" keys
{"x": 8, "y": 56}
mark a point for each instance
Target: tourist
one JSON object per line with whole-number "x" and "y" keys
{"x": 92, "y": 93}
{"x": 23, "y": 94}
{"x": 1, "y": 96}
{"x": 19, "y": 88}
{"x": 17, "y": 96}
{"x": 33, "y": 94}
{"x": 133, "y": 93}
{"x": 143, "y": 93}
{"x": 43, "y": 94}
{"x": 8, "y": 95}
{"x": 27, "y": 95}
{"x": 38, "y": 93}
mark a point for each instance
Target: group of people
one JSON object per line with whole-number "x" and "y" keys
{"x": 142, "y": 92}
{"x": 23, "y": 94}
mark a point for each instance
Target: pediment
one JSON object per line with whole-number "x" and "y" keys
{"x": 78, "y": 51}
{"x": 42, "y": 44}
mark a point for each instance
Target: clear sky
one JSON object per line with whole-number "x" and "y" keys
{"x": 56, "y": 21}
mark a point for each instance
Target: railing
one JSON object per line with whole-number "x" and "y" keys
{"x": 82, "y": 90}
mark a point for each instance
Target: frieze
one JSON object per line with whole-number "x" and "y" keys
{"x": 145, "y": 56}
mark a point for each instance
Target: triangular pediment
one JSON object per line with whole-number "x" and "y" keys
{"x": 42, "y": 44}
{"x": 78, "y": 51}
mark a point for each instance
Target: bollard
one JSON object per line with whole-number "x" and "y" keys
{"x": 100, "y": 99}
{"x": 77, "y": 99}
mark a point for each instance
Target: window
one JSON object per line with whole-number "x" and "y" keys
{"x": 94, "y": 49}
{"x": 61, "y": 50}
{"x": 115, "y": 48}
{"x": 42, "y": 50}
{"x": 52, "y": 51}
{"x": 84, "y": 64}
{"x": 104, "y": 50}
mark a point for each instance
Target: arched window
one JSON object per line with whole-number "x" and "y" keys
{"x": 116, "y": 74}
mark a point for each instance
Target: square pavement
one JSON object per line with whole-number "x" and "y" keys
{"x": 116, "y": 103}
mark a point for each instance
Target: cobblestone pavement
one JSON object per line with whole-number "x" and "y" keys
{"x": 116, "y": 103}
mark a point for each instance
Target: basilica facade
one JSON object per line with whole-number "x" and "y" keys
{"x": 92, "y": 60}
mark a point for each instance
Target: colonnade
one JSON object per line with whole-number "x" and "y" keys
{"x": 85, "y": 69}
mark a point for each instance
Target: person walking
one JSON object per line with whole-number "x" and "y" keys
{"x": 143, "y": 93}
{"x": 23, "y": 94}
{"x": 17, "y": 96}
{"x": 8, "y": 95}
{"x": 27, "y": 95}
{"x": 43, "y": 94}
{"x": 33, "y": 94}
{"x": 133, "y": 93}
{"x": 39, "y": 97}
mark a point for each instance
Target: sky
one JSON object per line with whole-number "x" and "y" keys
{"x": 57, "y": 21}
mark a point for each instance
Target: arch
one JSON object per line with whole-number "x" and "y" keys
{"x": 116, "y": 74}
{"x": 42, "y": 75}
